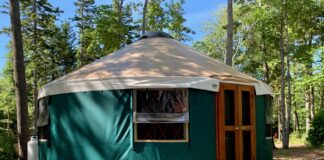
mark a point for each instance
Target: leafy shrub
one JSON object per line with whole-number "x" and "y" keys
{"x": 316, "y": 133}
{"x": 297, "y": 138}
{"x": 7, "y": 150}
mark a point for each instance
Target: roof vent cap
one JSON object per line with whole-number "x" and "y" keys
{"x": 155, "y": 34}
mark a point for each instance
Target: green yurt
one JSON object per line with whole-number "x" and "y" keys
{"x": 155, "y": 99}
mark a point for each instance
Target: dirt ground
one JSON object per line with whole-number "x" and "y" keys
{"x": 298, "y": 152}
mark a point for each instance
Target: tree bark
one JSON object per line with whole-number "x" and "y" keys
{"x": 120, "y": 11}
{"x": 35, "y": 102}
{"x": 308, "y": 101}
{"x": 20, "y": 80}
{"x": 322, "y": 98}
{"x": 144, "y": 17}
{"x": 266, "y": 72}
{"x": 35, "y": 94}
{"x": 229, "y": 40}
{"x": 279, "y": 117}
{"x": 119, "y": 4}
{"x": 265, "y": 64}
{"x": 307, "y": 107}
{"x": 282, "y": 85}
{"x": 312, "y": 103}
{"x": 296, "y": 122}
{"x": 288, "y": 113}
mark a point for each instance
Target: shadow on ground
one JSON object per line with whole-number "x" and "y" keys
{"x": 299, "y": 152}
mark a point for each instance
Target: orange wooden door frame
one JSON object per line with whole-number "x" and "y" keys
{"x": 238, "y": 127}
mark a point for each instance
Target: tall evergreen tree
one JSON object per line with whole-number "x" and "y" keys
{"x": 84, "y": 19}
{"x": 66, "y": 51}
{"x": 20, "y": 80}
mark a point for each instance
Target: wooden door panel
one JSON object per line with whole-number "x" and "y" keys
{"x": 235, "y": 122}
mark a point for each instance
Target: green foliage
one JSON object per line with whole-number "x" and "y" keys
{"x": 164, "y": 15}
{"x": 176, "y": 21}
{"x": 103, "y": 29}
{"x": 84, "y": 19}
{"x": 297, "y": 138}
{"x": 113, "y": 29}
{"x": 7, "y": 100}
{"x": 66, "y": 54}
{"x": 40, "y": 48}
{"x": 214, "y": 44}
{"x": 316, "y": 133}
{"x": 257, "y": 28}
{"x": 52, "y": 48}
{"x": 156, "y": 17}
{"x": 7, "y": 150}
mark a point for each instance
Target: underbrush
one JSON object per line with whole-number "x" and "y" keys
{"x": 7, "y": 150}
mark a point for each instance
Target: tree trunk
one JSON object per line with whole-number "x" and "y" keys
{"x": 119, "y": 4}
{"x": 312, "y": 103}
{"x": 8, "y": 121}
{"x": 282, "y": 86}
{"x": 35, "y": 102}
{"x": 34, "y": 72}
{"x": 322, "y": 98}
{"x": 308, "y": 101}
{"x": 229, "y": 40}
{"x": 296, "y": 121}
{"x": 266, "y": 72}
{"x": 286, "y": 143}
{"x": 120, "y": 11}
{"x": 144, "y": 17}
{"x": 80, "y": 36}
{"x": 266, "y": 75}
{"x": 307, "y": 106}
{"x": 19, "y": 78}
{"x": 279, "y": 117}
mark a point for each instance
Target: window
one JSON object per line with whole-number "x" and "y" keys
{"x": 42, "y": 119}
{"x": 269, "y": 118}
{"x": 160, "y": 115}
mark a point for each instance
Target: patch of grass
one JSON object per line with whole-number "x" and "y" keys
{"x": 299, "y": 149}
{"x": 298, "y": 139}
{"x": 295, "y": 139}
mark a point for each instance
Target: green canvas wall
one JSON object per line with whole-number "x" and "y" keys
{"x": 97, "y": 125}
{"x": 263, "y": 146}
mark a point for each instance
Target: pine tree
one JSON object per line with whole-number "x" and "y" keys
{"x": 20, "y": 80}
{"x": 84, "y": 19}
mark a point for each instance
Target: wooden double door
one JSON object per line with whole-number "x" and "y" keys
{"x": 235, "y": 122}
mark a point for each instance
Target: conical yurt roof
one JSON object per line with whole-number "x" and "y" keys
{"x": 157, "y": 62}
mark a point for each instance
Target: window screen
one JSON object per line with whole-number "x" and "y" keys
{"x": 269, "y": 117}
{"x": 161, "y": 106}
{"x": 42, "y": 118}
{"x": 161, "y": 115}
{"x": 269, "y": 108}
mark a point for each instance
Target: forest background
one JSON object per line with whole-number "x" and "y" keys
{"x": 277, "y": 41}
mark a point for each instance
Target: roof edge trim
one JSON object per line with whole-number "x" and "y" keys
{"x": 203, "y": 83}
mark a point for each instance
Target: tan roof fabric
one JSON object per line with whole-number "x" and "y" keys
{"x": 151, "y": 59}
